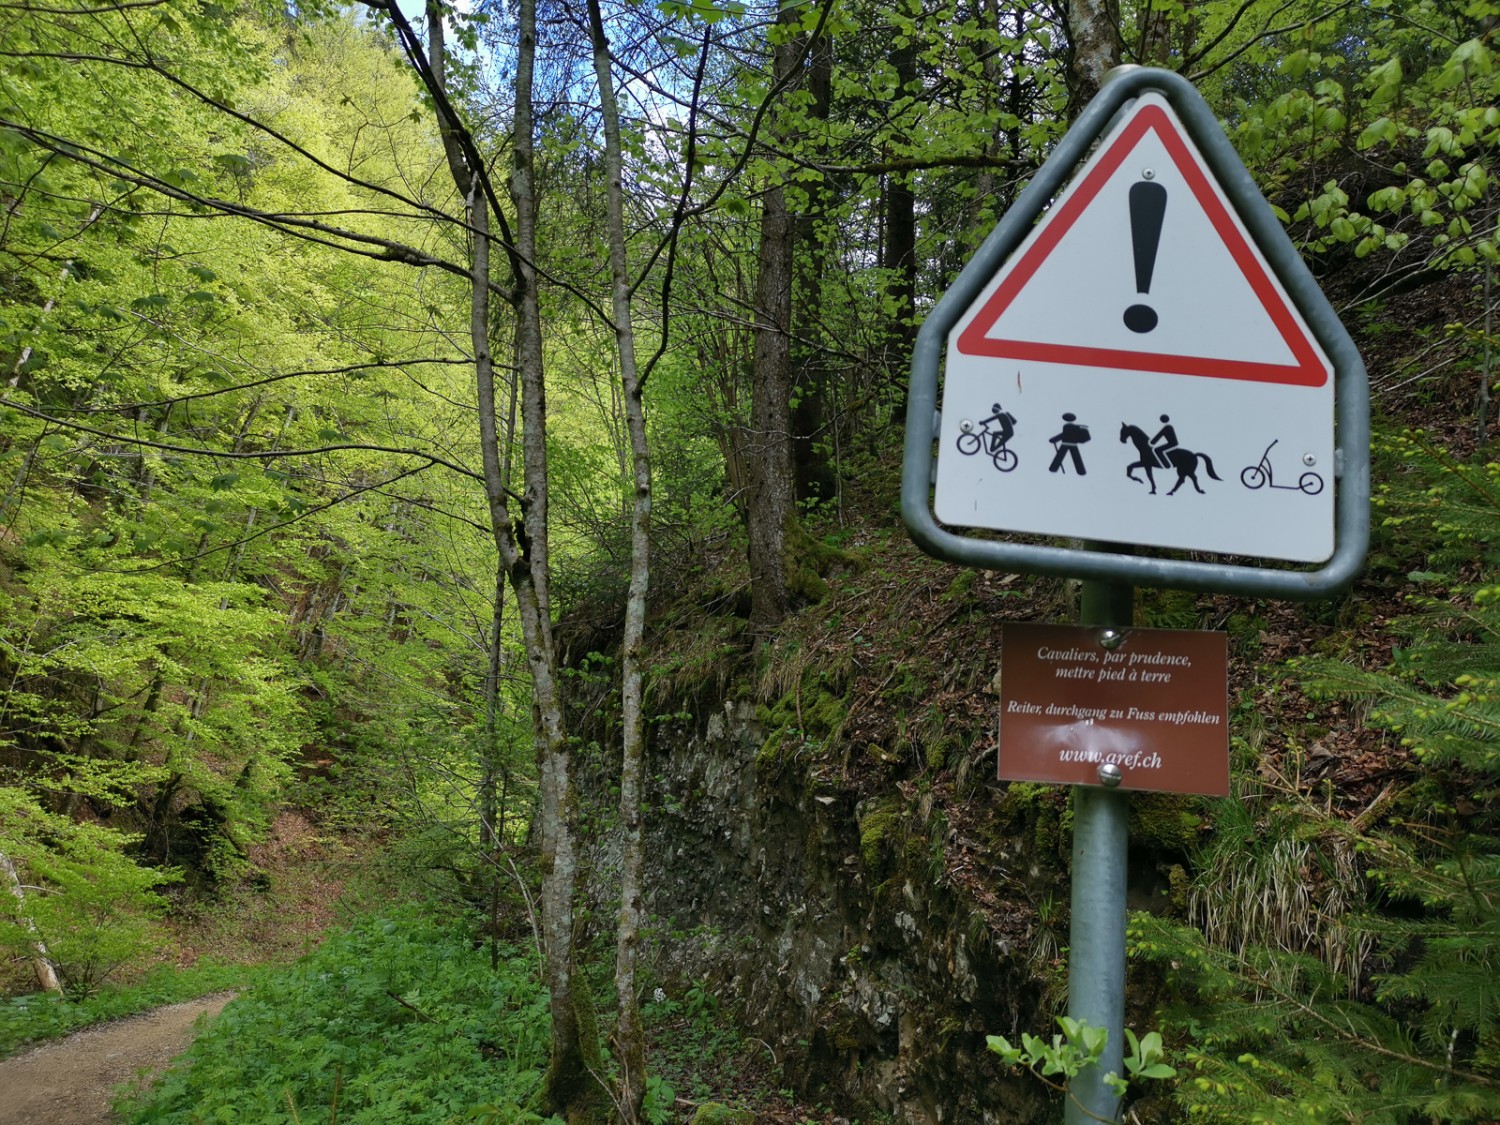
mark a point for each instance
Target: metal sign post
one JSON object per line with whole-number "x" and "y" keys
{"x": 1096, "y": 929}
{"x": 1140, "y": 289}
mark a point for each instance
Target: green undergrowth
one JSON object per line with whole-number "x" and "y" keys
{"x": 397, "y": 1018}
{"x": 40, "y": 1016}
{"x": 698, "y": 1053}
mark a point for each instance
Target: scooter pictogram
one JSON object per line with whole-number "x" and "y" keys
{"x": 1254, "y": 476}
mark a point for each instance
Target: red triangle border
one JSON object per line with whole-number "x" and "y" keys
{"x": 1308, "y": 370}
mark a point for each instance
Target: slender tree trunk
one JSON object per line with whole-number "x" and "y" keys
{"x": 571, "y": 1083}
{"x": 492, "y": 768}
{"x": 46, "y": 973}
{"x": 630, "y": 1039}
{"x": 992, "y": 90}
{"x": 815, "y": 477}
{"x": 901, "y": 227}
{"x": 1094, "y": 48}
{"x": 769, "y": 446}
{"x": 571, "y": 1087}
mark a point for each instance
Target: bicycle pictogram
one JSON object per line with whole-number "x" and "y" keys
{"x": 1257, "y": 475}
{"x": 982, "y": 436}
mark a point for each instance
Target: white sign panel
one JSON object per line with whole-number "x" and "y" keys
{"x": 1136, "y": 374}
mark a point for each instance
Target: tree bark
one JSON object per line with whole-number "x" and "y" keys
{"x": 769, "y": 445}
{"x": 901, "y": 232}
{"x": 571, "y": 1085}
{"x": 571, "y": 1088}
{"x": 769, "y": 442}
{"x": 1094, "y": 49}
{"x": 46, "y": 973}
{"x": 815, "y": 476}
{"x": 630, "y": 1038}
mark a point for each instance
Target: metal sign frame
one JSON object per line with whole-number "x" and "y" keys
{"x": 1110, "y": 562}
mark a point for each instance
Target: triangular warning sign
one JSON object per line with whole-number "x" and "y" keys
{"x": 1142, "y": 265}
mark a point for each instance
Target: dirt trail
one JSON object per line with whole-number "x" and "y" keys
{"x": 72, "y": 1081}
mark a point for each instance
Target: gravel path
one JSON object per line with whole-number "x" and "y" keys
{"x": 72, "y": 1081}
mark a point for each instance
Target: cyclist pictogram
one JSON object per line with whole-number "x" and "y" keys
{"x": 992, "y": 435}
{"x": 1259, "y": 474}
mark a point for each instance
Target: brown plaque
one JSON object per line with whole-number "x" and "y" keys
{"x": 1155, "y": 705}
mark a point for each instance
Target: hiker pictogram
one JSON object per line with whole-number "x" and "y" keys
{"x": 1066, "y": 442}
{"x": 977, "y": 436}
{"x": 1163, "y": 452}
{"x": 1259, "y": 474}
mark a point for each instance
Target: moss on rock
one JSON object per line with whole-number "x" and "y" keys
{"x": 715, "y": 1113}
{"x": 1165, "y": 821}
{"x": 875, "y": 826}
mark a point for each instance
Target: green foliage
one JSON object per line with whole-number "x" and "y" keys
{"x": 697, "y": 1050}
{"x": 397, "y": 1019}
{"x": 86, "y": 900}
{"x": 659, "y": 1106}
{"x": 38, "y": 1016}
{"x": 1346, "y": 972}
{"x": 1082, "y": 1045}
{"x": 194, "y": 606}
{"x": 1411, "y": 88}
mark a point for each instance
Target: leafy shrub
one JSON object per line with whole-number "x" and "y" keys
{"x": 398, "y": 1018}
{"x": 91, "y": 905}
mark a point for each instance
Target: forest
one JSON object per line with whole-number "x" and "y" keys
{"x": 453, "y": 588}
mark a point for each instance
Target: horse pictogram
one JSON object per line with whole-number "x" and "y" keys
{"x": 1174, "y": 456}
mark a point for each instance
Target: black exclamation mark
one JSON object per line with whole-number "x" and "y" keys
{"x": 1148, "y": 203}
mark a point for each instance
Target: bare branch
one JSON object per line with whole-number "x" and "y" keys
{"x": 40, "y": 10}
{"x": 679, "y": 216}
{"x": 121, "y": 407}
{"x": 411, "y": 45}
{"x": 260, "y": 455}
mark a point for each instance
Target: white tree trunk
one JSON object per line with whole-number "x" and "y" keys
{"x": 46, "y": 972}
{"x": 630, "y": 1041}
